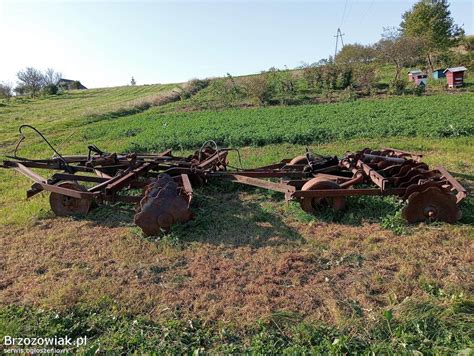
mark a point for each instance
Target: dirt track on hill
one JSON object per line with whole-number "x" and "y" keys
{"x": 334, "y": 272}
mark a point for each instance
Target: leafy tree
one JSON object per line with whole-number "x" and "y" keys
{"x": 133, "y": 82}
{"x": 31, "y": 80}
{"x": 356, "y": 53}
{"x": 399, "y": 50}
{"x": 431, "y": 21}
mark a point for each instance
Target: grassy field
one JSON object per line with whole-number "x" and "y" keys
{"x": 249, "y": 274}
{"x": 71, "y": 108}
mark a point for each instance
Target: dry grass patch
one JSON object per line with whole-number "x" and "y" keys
{"x": 337, "y": 271}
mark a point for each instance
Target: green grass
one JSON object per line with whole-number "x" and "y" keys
{"x": 434, "y": 326}
{"x": 71, "y": 109}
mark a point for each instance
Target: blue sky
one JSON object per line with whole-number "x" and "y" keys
{"x": 106, "y": 43}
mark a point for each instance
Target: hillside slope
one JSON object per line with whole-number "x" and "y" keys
{"x": 68, "y": 109}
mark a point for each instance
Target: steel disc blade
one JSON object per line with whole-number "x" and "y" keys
{"x": 431, "y": 204}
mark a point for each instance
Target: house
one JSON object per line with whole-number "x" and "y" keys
{"x": 412, "y": 73}
{"x": 438, "y": 73}
{"x": 455, "y": 76}
{"x": 421, "y": 79}
{"x": 68, "y": 84}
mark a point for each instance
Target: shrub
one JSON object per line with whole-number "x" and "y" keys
{"x": 418, "y": 90}
{"x": 312, "y": 75}
{"x": 282, "y": 81}
{"x": 348, "y": 94}
{"x": 329, "y": 76}
{"x": 6, "y": 91}
{"x": 195, "y": 85}
{"x": 50, "y": 89}
{"x": 225, "y": 91}
{"x": 398, "y": 86}
{"x": 192, "y": 87}
{"x": 259, "y": 89}
{"x": 345, "y": 77}
{"x": 365, "y": 77}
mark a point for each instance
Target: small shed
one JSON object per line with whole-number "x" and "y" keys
{"x": 455, "y": 76}
{"x": 439, "y": 73}
{"x": 421, "y": 79}
{"x": 412, "y": 74}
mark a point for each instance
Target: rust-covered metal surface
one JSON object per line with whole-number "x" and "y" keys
{"x": 161, "y": 184}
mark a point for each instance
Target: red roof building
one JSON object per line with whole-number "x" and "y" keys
{"x": 455, "y": 76}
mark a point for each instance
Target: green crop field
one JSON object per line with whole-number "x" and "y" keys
{"x": 249, "y": 274}
{"x": 307, "y": 124}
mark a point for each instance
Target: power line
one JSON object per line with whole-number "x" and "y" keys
{"x": 348, "y": 13}
{"x": 366, "y": 13}
{"x": 343, "y": 13}
{"x": 338, "y": 34}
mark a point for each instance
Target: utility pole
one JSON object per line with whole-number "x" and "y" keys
{"x": 338, "y": 34}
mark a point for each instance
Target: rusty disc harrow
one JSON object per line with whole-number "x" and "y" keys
{"x": 165, "y": 181}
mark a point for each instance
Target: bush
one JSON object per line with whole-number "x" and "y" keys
{"x": 398, "y": 86}
{"x": 225, "y": 91}
{"x": 192, "y": 87}
{"x": 50, "y": 89}
{"x": 418, "y": 90}
{"x": 259, "y": 89}
{"x": 345, "y": 77}
{"x": 20, "y": 90}
{"x": 348, "y": 95}
{"x": 6, "y": 91}
{"x": 330, "y": 75}
{"x": 365, "y": 77}
{"x": 282, "y": 81}
{"x": 312, "y": 75}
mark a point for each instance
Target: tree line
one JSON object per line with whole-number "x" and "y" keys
{"x": 427, "y": 37}
{"x": 32, "y": 81}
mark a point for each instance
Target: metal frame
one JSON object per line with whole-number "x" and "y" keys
{"x": 373, "y": 173}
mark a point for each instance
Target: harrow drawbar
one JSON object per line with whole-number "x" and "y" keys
{"x": 161, "y": 184}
